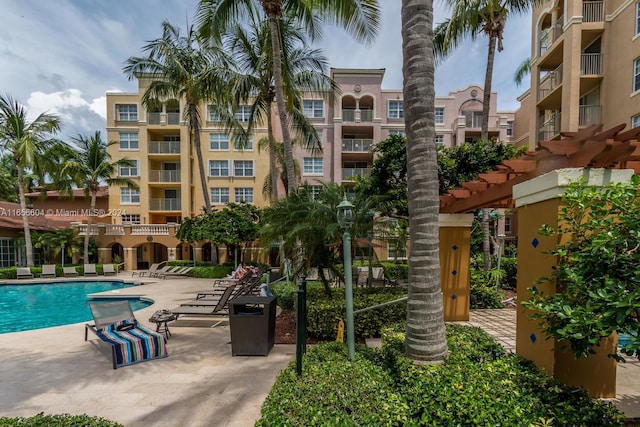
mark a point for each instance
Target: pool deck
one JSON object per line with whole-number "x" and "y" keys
{"x": 55, "y": 371}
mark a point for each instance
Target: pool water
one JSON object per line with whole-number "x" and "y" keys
{"x": 34, "y": 306}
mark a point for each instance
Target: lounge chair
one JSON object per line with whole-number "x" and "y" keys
{"x": 151, "y": 269}
{"x": 70, "y": 272}
{"x": 48, "y": 271}
{"x": 217, "y": 308}
{"x": 108, "y": 270}
{"x": 183, "y": 272}
{"x": 162, "y": 270}
{"x": 130, "y": 342}
{"x": 24, "y": 273}
{"x": 90, "y": 270}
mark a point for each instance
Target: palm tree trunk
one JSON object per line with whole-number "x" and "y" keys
{"x": 282, "y": 112}
{"x": 425, "y": 335}
{"x": 272, "y": 158}
{"x": 25, "y": 218}
{"x": 486, "y": 103}
{"x": 92, "y": 205}
{"x": 195, "y": 128}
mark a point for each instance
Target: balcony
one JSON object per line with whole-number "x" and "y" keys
{"x": 82, "y": 230}
{"x": 548, "y": 36}
{"x": 550, "y": 127}
{"x": 153, "y": 118}
{"x": 164, "y": 205}
{"x": 357, "y": 145}
{"x": 349, "y": 115}
{"x": 164, "y": 147}
{"x": 591, "y": 64}
{"x": 164, "y": 175}
{"x": 348, "y": 173}
{"x": 173, "y": 118}
{"x": 589, "y": 115}
{"x": 150, "y": 229}
{"x": 550, "y": 82}
{"x": 593, "y": 11}
{"x": 128, "y": 229}
{"x": 366, "y": 115}
{"x": 472, "y": 119}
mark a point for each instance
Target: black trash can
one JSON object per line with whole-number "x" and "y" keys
{"x": 252, "y": 322}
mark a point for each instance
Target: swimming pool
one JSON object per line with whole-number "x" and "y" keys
{"x": 34, "y": 306}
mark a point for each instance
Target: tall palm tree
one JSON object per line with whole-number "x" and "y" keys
{"x": 276, "y": 151}
{"x": 180, "y": 67}
{"x": 303, "y": 71}
{"x": 471, "y": 19}
{"x": 358, "y": 17}
{"x": 25, "y": 141}
{"x": 91, "y": 165}
{"x": 425, "y": 335}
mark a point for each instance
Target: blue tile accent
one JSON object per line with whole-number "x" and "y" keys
{"x": 535, "y": 242}
{"x": 454, "y": 297}
{"x": 454, "y": 247}
{"x": 534, "y": 289}
{"x": 454, "y": 272}
{"x": 533, "y": 338}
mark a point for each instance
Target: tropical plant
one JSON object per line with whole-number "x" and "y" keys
{"x": 303, "y": 70}
{"x": 522, "y": 71}
{"x": 425, "y": 334}
{"x": 178, "y": 66}
{"x": 276, "y": 152}
{"x": 90, "y": 166}
{"x": 358, "y": 17}
{"x": 26, "y": 141}
{"x": 596, "y": 275}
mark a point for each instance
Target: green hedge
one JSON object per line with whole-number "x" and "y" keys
{"x": 395, "y": 272}
{"x": 478, "y": 385}
{"x": 64, "y": 420}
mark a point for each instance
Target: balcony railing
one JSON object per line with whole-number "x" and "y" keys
{"x": 359, "y": 145}
{"x": 173, "y": 118}
{"x": 348, "y": 115}
{"x": 150, "y": 229}
{"x": 366, "y": 115}
{"x": 550, "y": 127}
{"x": 591, "y": 63}
{"x": 82, "y": 230}
{"x": 593, "y": 11}
{"x": 351, "y": 172}
{"x": 550, "y": 35}
{"x": 164, "y": 147}
{"x": 472, "y": 120}
{"x": 589, "y": 115}
{"x": 164, "y": 176}
{"x": 114, "y": 229}
{"x": 153, "y": 118}
{"x": 549, "y": 82}
{"x": 164, "y": 205}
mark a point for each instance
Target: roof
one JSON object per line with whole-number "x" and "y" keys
{"x": 103, "y": 192}
{"x": 11, "y": 218}
{"x": 590, "y": 147}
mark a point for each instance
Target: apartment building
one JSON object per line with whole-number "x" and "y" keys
{"x": 141, "y": 224}
{"x": 585, "y": 68}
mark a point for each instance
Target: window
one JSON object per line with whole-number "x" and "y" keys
{"x": 244, "y": 195}
{"x": 248, "y": 147}
{"x": 636, "y": 75}
{"x": 439, "y": 140}
{"x": 638, "y": 18}
{"x": 243, "y": 113}
{"x": 313, "y": 165}
{"x": 396, "y": 252}
{"x": 218, "y": 141}
{"x": 400, "y": 132}
{"x": 219, "y": 196}
{"x": 129, "y": 196}
{"x": 128, "y": 141}
{"x": 130, "y": 219}
{"x": 635, "y": 121}
{"x": 131, "y": 171}
{"x": 214, "y": 116}
{"x": 7, "y": 253}
{"x": 510, "y": 128}
{"x": 396, "y": 110}
{"x": 315, "y": 191}
{"x": 243, "y": 168}
{"x": 507, "y": 224}
{"x": 218, "y": 168}
{"x": 313, "y": 108}
{"x": 439, "y": 112}
{"x": 127, "y": 112}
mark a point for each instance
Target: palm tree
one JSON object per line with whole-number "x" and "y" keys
{"x": 425, "y": 335}
{"x": 522, "y": 71}
{"x": 25, "y": 141}
{"x": 89, "y": 167}
{"x": 276, "y": 151}
{"x": 179, "y": 66}
{"x": 303, "y": 70}
{"x": 358, "y": 17}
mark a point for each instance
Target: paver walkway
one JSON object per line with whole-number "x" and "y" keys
{"x": 501, "y": 324}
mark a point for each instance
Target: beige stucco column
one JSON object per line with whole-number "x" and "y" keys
{"x": 197, "y": 253}
{"x": 130, "y": 260}
{"x": 455, "y": 247}
{"x": 104, "y": 255}
{"x": 538, "y": 202}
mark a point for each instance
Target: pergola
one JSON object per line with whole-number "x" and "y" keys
{"x": 588, "y": 148}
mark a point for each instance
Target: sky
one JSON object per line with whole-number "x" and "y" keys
{"x": 63, "y": 56}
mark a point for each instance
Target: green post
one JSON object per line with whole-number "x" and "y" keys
{"x": 301, "y": 324}
{"x": 348, "y": 292}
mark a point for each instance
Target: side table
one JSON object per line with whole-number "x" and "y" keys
{"x": 161, "y": 318}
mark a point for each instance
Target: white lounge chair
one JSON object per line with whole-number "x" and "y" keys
{"x": 24, "y": 273}
{"x": 90, "y": 270}
{"x": 48, "y": 271}
{"x": 70, "y": 272}
{"x": 108, "y": 270}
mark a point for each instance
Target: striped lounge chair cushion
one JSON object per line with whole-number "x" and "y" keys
{"x": 133, "y": 345}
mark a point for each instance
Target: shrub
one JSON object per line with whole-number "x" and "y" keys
{"x": 286, "y": 293}
{"x": 64, "y": 420}
{"x": 395, "y": 272}
{"x": 210, "y": 272}
{"x": 483, "y": 291}
{"x": 510, "y": 267}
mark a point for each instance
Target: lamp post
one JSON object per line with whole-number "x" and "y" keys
{"x": 62, "y": 250}
{"x": 346, "y": 217}
{"x": 501, "y": 238}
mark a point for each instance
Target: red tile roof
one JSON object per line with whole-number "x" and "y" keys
{"x": 11, "y": 217}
